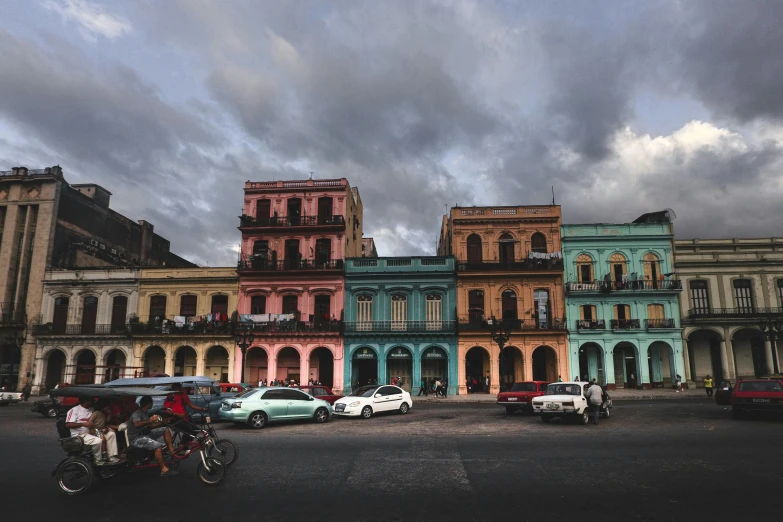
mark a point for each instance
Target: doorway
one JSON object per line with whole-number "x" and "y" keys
{"x": 55, "y": 364}
{"x": 477, "y": 370}
{"x": 365, "y": 367}
{"x": 399, "y": 363}
{"x": 324, "y": 210}
{"x": 294, "y": 210}
{"x": 544, "y": 364}
{"x": 434, "y": 365}
{"x": 322, "y": 366}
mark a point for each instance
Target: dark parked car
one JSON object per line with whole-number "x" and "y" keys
{"x": 49, "y": 408}
{"x": 751, "y": 396}
{"x": 320, "y": 392}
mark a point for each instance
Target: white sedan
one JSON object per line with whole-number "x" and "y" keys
{"x": 7, "y": 397}
{"x": 367, "y": 400}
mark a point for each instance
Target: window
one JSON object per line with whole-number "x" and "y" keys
{"x": 780, "y": 291}
{"x": 364, "y": 312}
{"x": 262, "y": 211}
{"x": 506, "y": 249}
{"x": 524, "y": 387}
{"x": 509, "y": 305}
{"x": 652, "y": 270}
{"x": 187, "y": 305}
{"x": 617, "y": 267}
{"x": 324, "y": 210}
{"x": 538, "y": 243}
{"x": 157, "y": 306}
{"x": 294, "y": 209}
{"x": 219, "y": 304}
{"x": 388, "y": 390}
{"x": 399, "y": 312}
{"x": 474, "y": 248}
{"x": 700, "y": 297}
{"x": 476, "y": 306}
{"x": 655, "y": 316}
{"x": 119, "y": 310}
{"x": 765, "y": 386}
{"x": 434, "y": 311}
{"x": 89, "y": 314}
{"x": 587, "y": 313}
{"x": 273, "y": 395}
{"x": 743, "y": 295}
{"x": 323, "y": 308}
{"x": 290, "y": 304}
{"x": 622, "y": 312}
{"x": 60, "y": 318}
{"x": 584, "y": 268}
{"x": 541, "y": 298}
{"x": 295, "y": 395}
{"x": 292, "y": 254}
{"x": 261, "y": 248}
{"x": 323, "y": 251}
{"x": 258, "y": 304}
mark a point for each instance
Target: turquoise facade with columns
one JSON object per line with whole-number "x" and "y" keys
{"x": 400, "y": 321}
{"x": 622, "y": 302}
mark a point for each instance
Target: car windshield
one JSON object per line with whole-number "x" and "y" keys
{"x": 769, "y": 386}
{"x": 365, "y": 391}
{"x": 563, "y": 389}
{"x": 245, "y": 395}
{"x": 523, "y": 387}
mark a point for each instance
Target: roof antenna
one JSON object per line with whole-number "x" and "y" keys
{"x": 553, "y": 195}
{"x": 311, "y": 174}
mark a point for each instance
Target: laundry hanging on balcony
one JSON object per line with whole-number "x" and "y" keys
{"x": 544, "y": 255}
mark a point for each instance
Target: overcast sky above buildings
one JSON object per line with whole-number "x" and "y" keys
{"x": 623, "y": 107}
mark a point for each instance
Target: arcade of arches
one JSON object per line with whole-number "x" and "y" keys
{"x": 287, "y": 364}
{"x": 729, "y": 353}
{"x": 212, "y": 358}
{"x": 80, "y": 364}
{"x": 411, "y": 362}
{"x": 538, "y": 362}
{"x": 620, "y": 366}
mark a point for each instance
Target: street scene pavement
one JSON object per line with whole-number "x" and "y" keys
{"x": 652, "y": 460}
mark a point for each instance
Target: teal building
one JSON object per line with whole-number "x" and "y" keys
{"x": 400, "y": 321}
{"x": 622, "y": 302}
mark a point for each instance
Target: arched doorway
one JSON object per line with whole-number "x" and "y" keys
{"x": 217, "y": 363}
{"x": 511, "y": 367}
{"x": 154, "y": 361}
{"x": 115, "y": 365}
{"x": 434, "y": 364}
{"x": 364, "y": 367}
{"x": 749, "y": 353}
{"x": 185, "y": 360}
{"x": 55, "y": 366}
{"x": 626, "y": 366}
{"x": 256, "y": 365}
{"x": 660, "y": 361}
{"x": 85, "y": 367}
{"x": 288, "y": 364}
{"x": 477, "y": 370}
{"x": 322, "y": 366}
{"x": 704, "y": 355}
{"x": 399, "y": 363}
{"x": 591, "y": 363}
{"x": 544, "y": 364}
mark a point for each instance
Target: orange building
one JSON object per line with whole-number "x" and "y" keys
{"x": 509, "y": 267}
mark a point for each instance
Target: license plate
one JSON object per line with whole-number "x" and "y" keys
{"x": 552, "y": 406}
{"x": 760, "y": 400}
{"x": 512, "y": 398}
{"x": 339, "y": 407}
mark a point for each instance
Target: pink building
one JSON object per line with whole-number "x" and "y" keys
{"x": 295, "y": 238}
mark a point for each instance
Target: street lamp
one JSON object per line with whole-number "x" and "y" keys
{"x": 243, "y": 337}
{"x": 500, "y": 331}
{"x": 772, "y": 328}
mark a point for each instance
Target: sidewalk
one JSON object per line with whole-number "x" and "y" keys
{"x": 617, "y": 395}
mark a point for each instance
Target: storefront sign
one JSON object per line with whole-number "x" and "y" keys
{"x": 434, "y": 353}
{"x": 399, "y": 353}
{"x": 364, "y": 353}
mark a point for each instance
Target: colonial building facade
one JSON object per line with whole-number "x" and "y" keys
{"x": 622, "y": 302}
{"x": 295, "y": 238}
{"x": 733, "y": 308}
{"x": 509, "y": 267}
{"x": 400, "y": 320}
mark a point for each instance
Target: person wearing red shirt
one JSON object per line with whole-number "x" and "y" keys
{"x": 177, "y": 400}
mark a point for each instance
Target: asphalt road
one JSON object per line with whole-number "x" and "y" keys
{"x": 665, "y": 460}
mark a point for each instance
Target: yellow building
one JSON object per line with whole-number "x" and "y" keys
{"x": 183, "y": 324}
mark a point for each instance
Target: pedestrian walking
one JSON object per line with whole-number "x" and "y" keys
{"x": 486, "y": 383}
{"x": 438, "y": 389}
{"x": 444, "y": 385}
{"x": 708, "y": 385}
{"x": 423, "y": 388}
{"x": 595, "y": 397}
{"x": 26, "y": 390}
{"x": 679, "y": 384}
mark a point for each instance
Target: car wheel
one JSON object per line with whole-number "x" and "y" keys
{"x": 51, "y": 413}
{"x": 585, "y": 418}
{"x": 510, "y": 410}
{"x": 546, "y": 417}
{"x": 321, "y": 415}
{"x": 366, "y": 412}
{"x": 257, "y": 420}
{"x": 404, "y": 408}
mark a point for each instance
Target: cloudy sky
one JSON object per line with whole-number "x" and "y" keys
{"x": 625, "y": 107}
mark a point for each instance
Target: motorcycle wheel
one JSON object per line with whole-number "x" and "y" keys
{"x": 74, "y": 476}
{"x": 225, "y": 451}
{"x": 215, "y": 474}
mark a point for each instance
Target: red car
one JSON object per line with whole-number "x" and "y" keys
{"x": 520, "y": 396}
{"x": 751, "y": 396}
{"x": 321, "y": 392}
{"x": 230, "y": 387}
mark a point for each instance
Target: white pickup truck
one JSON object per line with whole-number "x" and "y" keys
{"x": 7, "y": 397}
{"x": 567, "y": 400}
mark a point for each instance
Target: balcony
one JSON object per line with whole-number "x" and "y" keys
{"x": 399, "y": 264}
{"x": 695, "y": 314}
{"x": 659, "y": 324}
{"x": 78, "y": 329}
{"x": 261, "y": 264}
{"x": 293, "y": 327}
{"x": 599, "y": 324}
{"x": 625, "y": 324}
{"x": 400, "y": 326}
{"x": 520, "y": 325}
{"x": 171, "y": 328}
{"x": 496, "y": 266}
{"x": 607, "y": 287}
{"x": 246, "y": 221}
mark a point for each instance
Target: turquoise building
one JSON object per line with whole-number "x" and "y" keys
{"x": 400, "y": 321}
{"x": 622, "y": 302}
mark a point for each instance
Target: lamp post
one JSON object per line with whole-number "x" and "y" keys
{"x": 243, "y": 337}
{"x": 772, "y": 328}
{"x": 500, "y": 331}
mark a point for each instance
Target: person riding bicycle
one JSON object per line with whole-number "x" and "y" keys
{"x": 176, "y": 402}
{"x": 143, "y": 431}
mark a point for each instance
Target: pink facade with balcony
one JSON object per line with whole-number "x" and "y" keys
{"x": 295, "y": 238}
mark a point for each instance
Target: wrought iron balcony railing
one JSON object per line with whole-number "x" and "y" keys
{"x": 79, "y": 329}
{"x": 498, "y": 266}
{"x": 625, "y": 324}
{"x": 261, "y": 264}
{"x": 293, "y": 327}
{"x": 733, "y": 313}
{"x": 291, "y": 221}
{"x": 400, "y": 326}
{"x": 172, "y": 328}
{"x": 465, "y": 325}
{"x": 674, "y": 285}
{"x": 653, "y": 324}
{"x": 599, "y": 324}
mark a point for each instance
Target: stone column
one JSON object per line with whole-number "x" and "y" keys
{"x": 201, "y": 361}
{"x": 169, "y": 366}
{"x": 460, "y": 360}
{"x": 642, "y": 368}
{"x": 724, "y": 361}
{"x": 416, "y": 377}
{"x": 768, "y": 356}
{"x": 494, "y": 374}
{"x": 527, "y": 365}
{"x": 608, "y": 368}
{"x": 271, "y": 366}
{"x": 304, "y": 366}
{"x": 686, "y": 357}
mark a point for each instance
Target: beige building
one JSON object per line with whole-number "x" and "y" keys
{"x": 731, "y": 307}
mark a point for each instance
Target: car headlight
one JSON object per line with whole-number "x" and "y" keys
{"x": 354, "y": 403}
{"x": 236, "y": 405}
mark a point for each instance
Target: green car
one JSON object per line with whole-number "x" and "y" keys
{"x": 259, "y": 406}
